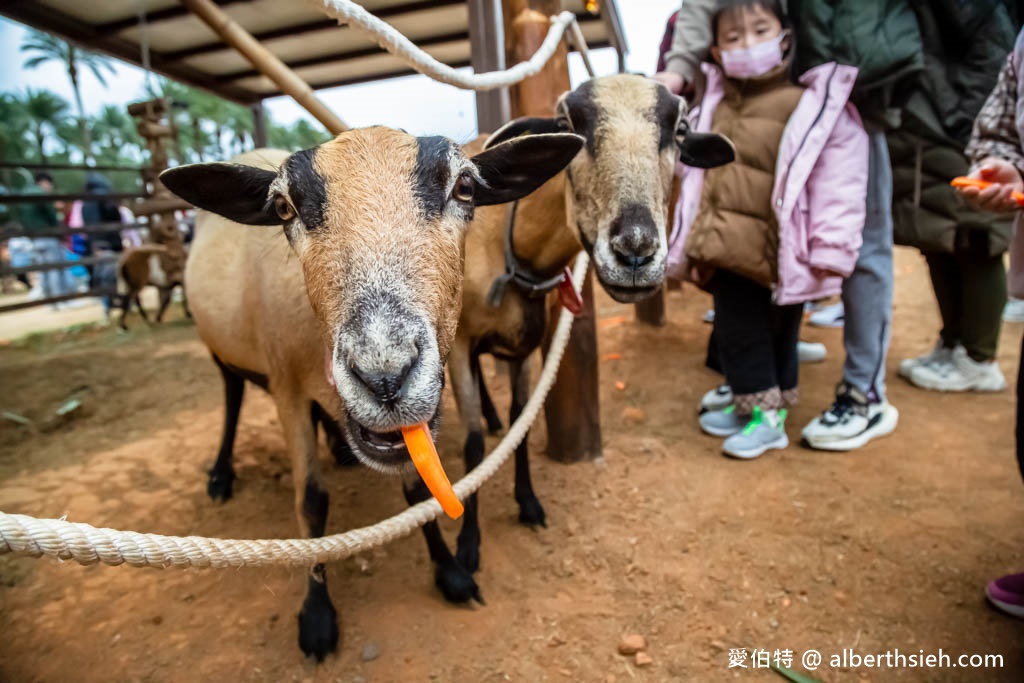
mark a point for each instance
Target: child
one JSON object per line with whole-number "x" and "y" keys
{"x": 780, "y": 226}
{"x": 997, "y": 154}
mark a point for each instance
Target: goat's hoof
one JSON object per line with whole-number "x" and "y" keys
{"x": 220, "y": 484}
{"x": 494, "y": 426}
{"x": 468, "y": 555}
{"x": 318, "y": 627}
{"x": 456, "y": 584}
{"x": 531, "y": 512}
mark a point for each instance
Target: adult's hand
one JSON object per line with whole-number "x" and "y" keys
{"x": 671, "y": 80}
{"x": 1005, "y": 179}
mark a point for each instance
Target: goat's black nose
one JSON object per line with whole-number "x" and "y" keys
{"x": 634, "y": 237}
{"x": 385, "y": 386}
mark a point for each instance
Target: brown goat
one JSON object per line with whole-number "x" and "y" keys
{"x": 347, "y": 315}
{"x": 140, "y": 267}
{"x": 613, "y": 201}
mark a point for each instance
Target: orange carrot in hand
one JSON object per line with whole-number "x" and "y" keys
{"x": 424, "y": 457}
{"x": 964, "y": 181}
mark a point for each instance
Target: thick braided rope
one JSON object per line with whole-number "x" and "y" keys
{"x": 400, "y": 46}
{"x": 24, "y": 535}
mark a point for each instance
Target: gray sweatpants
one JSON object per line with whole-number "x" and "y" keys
{"x": 867, "y": 293}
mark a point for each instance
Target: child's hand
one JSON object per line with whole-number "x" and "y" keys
{"x": 671, "y": 80}
{"x": 1005, "y": 179}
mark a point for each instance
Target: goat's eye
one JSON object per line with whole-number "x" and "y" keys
{"x": 463, "y": 190}
{"x": 562, "y": 123}
{"x": 284, "y": 210}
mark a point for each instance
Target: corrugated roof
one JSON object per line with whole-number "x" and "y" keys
{"x": 321, "y": 52}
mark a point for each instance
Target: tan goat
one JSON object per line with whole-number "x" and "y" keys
{"x": 613, "y": 201}
{"x": 141, "y": 267}
{"x": 347, "y": 315}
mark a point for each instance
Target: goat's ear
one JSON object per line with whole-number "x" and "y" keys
{"x": 235, "y": 191}
{"x": 514, "y": 169}
{"x": 703, "y": 150}
{"x": 527, "y": 125}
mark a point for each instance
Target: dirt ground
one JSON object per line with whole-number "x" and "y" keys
{"x": 880, "y": 549}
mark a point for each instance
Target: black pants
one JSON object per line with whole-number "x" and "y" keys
{"x": 756, "y": 339}
{"x": 971, "y": 292}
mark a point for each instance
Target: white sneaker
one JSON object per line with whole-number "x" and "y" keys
{"x": 718, "y": 398}
{"x": 960, "y": 373}
{"x": 829, "y": 316}
{"x": 709, "y": 316}
{"x": 810, "y": 352}
{"x": 1014, "y": 311}
{"x": 850, "y": 422}
{"x": 937, "y": 356}
{"x": 765, "y": 431}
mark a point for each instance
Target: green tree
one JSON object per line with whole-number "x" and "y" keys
{"x": 44, "y": 48}
{"x": 114, "y": 134}
{"x": 13, "y": 120}
{"x": 45, "y": 111}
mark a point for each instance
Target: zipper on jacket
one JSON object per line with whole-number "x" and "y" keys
{"x": 821, "y": 112}
{"x": 785, "y": 179}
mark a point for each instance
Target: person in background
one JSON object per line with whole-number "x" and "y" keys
{"x": 778, "y": 227}
{"x": 996, "y": 152}
{"x": 105, "y": 243}
{"x": 965, "y": 45}
{"x": 883, "y": 41}
{"x": 41, "y": 217}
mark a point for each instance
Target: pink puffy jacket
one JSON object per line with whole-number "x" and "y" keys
{"x": 820, "y": 185}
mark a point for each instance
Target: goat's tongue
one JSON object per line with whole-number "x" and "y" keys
{"x": 424, "y": 456}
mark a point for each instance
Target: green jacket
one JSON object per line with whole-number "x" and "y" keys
{"x": 38, "y": 216}
{"x": 880, "y": 37}
{"x": 965, "y": 45}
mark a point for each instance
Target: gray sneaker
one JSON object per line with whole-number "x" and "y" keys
{"x": 940, "y": 355}
{"x": 765, "y": 431}
{"x": 722, "y": 422}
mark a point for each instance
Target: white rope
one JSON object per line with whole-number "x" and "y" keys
{"x": 346, "y": 11}
{"x": 24, "y": 535}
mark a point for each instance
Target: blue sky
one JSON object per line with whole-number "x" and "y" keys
{"x": 439, "y": 109}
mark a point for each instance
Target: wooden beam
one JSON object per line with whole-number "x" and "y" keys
{"x": 342, "y": 56}
{"x": 309, "y": 27}
{"x": 259, "y": 125}
{"x": 154, "y": 17}
{"x": 572, "y": 410}
{"x": 264, "y": 60}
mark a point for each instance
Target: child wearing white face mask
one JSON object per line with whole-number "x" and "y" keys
{"x": 778, "y": 227}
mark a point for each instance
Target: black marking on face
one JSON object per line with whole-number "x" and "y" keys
{"x": 430, "y": 179}
{"x": 306, "y": 188}
{"x": 584, "y": 113}
{"x": 666, "y": 117}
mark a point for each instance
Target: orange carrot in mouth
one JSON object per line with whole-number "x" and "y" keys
{"x": 424, "y": 457}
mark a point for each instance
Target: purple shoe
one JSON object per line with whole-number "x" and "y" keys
{"x": 1007, "y": 594}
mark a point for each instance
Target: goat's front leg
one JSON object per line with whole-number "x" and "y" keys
{"x": 531, "y": 512}
{"x": 318, "y": 620}
{"x": 490, "y": 413}
{"x": 450, "y": 577}
{"x": 466, "y": 385}
{"x": 165, "y": 301}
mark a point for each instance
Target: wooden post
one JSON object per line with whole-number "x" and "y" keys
{"x": 487, "y": 53}
{"x": 572, "y": 410}
{"x": 259, "y": 125}
{"x": 265, "y": 62}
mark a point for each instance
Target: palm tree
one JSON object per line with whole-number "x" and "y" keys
{"x": 45, "y": 112}
{"x": 13, "y": 120}
{"x": 49, "y": 48}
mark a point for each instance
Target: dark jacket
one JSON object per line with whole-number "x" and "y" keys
{"x": 879, "y": 37}
{"x": 965, "y": 45}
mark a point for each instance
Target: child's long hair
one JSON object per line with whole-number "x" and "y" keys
{"x": 735, "y": 7}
